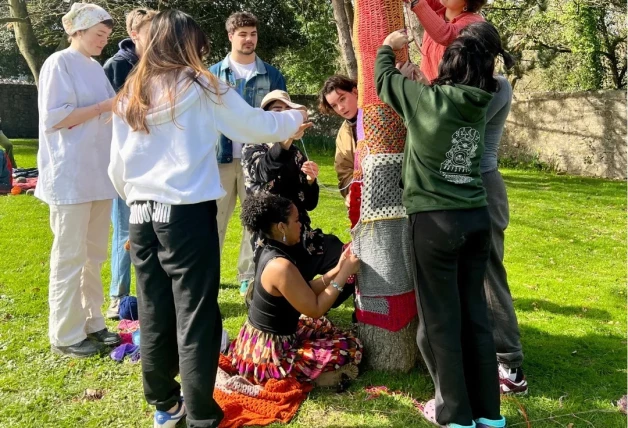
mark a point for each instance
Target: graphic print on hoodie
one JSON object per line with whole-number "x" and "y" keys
{"x": 445, "y": 139}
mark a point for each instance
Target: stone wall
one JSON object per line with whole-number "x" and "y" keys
{"x": 578, "y": 133}
{"x": 18, "y": 110}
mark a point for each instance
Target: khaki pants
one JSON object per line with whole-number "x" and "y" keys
{"x": 75, "y": 292}
{"x": 232, "y": 180}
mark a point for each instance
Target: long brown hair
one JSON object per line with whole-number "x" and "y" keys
{"x": 176, "y": 48}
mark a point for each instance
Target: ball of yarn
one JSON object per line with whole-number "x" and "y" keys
{"x": 136, "y": 337}
{"x": 16, "y": 190}
{"x": 128, "y": 308}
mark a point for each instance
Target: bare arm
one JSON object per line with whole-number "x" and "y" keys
{"x": 319, "y": 285}
{"x": 83, "y": 114}
{"x": 286, "y": 278}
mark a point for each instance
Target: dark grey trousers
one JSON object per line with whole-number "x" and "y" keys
{"x": 501, "y": 311}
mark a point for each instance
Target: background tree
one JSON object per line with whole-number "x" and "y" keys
{"x": 317, "y": 55}
{"x": 38, "y": 31}
{"x": 564, "y": 45}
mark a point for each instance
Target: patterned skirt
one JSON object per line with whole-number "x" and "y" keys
{"x": 315, "y": 348}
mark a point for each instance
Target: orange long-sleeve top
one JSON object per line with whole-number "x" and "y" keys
{"x": 439, "y": 33}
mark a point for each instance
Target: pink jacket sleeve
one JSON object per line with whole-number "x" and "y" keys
{"x": 441, "y": 31}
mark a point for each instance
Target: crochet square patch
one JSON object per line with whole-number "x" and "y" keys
{"x": 382, "y": 196}
{"x": 384, "y": 130}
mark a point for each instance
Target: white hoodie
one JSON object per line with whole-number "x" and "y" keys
{"x": 176, "y": 162}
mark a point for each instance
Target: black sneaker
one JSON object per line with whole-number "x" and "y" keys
{"x": 83, "y": 349}
{"x": 105, "y": 337}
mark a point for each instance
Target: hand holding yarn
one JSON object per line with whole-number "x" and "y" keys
{"x": 301, "y": 130}
{"x": 349, "y": 261}
{"x": 397, "y": 39}
{"x": 311, "y": 170}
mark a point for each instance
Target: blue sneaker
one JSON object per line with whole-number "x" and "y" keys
{"x": 169, "y": 420}
{"x": 490, "y": 423}
{"x": 244, "y": 286}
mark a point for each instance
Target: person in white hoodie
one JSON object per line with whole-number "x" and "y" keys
{"x": 74, "y": 138}
{"x": 167, "y": 121}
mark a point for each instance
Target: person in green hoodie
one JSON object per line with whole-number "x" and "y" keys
{"x": 449, "y": 224}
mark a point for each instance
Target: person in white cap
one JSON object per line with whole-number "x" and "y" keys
{"x": 284, "y": 170}
{"x": 75, "y": 100}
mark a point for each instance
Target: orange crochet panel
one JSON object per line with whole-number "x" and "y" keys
{"x": 277, "y": 401}
{"x": 384, "y": 133}
{"x": 375, "y": 19}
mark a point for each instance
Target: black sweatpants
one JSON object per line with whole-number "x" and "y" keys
{"x": 311, "y": 265}
{"x": 174, "y": 249}
{"x": 451, "y": 250}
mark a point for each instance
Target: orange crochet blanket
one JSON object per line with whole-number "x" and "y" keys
{"x": 246, "y": 404}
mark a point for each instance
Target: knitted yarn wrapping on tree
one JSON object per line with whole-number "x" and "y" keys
{"x": 385, "y": 293}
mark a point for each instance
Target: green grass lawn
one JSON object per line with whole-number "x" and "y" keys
{"x": 566, "y": 259}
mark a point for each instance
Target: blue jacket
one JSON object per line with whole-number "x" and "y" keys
{"x": 267, "y": 79}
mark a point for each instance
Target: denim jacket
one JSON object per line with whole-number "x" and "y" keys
{"x": 267, "y": 79}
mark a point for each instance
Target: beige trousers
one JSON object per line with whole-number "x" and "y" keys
{"x": 75, "y": 292}
{"x": 232, "y": 180}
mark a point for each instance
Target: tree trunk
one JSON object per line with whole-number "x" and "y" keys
{"x": 25, "y": 37}
{"x": 344, "y": 38}
{"x": 390, "y": 351}
{"x": 349, "y": 12}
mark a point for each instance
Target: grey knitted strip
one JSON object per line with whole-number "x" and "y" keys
{"x": 384, "y": 250}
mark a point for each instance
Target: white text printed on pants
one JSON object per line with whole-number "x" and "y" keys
{"x": 150, "y": 211}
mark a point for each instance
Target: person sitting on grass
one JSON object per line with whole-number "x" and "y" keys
{"x": 286, "y": 334}
{"x": 282, "y": 169}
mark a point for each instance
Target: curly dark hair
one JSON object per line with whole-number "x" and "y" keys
{"x": 261, "y": 211}
{"x": 332, "y": 84}
{"x": 240, "y": 19}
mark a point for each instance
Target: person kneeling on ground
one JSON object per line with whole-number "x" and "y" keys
{"x": 286, "y": 334}
{"x": 282, "y": 169}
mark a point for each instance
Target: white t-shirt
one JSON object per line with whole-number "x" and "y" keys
{"x": 243, "y": 72}
{"x": 73, "y": 162}
{"x": 175, "y": 163}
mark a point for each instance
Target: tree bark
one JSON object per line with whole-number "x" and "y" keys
{"x": 350, "y": 15}
{"x": 25, "y": 37}
{"x": 344, "y": 38}
{"x": 390, "y": 351}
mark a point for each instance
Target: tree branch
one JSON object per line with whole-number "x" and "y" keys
{"x": 11, "y": 19}
{"x": 539, "y": 44}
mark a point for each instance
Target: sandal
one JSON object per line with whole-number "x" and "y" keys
{"x": 429, "y": 412}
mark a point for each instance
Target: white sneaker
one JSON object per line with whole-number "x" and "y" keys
{"x": 169, "y": 420}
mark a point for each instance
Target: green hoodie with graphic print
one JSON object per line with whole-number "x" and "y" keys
{"x": 445, "y": 140}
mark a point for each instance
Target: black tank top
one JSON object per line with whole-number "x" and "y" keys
{"x": 268, "y": 313}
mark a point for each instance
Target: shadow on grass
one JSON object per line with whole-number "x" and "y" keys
{"x": 572, "y": 184}
{"x": 232, "y": 310}
{"x": 530, "y": 305}
{"x": 592, "y": 366}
